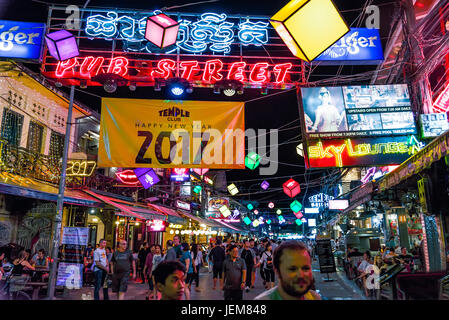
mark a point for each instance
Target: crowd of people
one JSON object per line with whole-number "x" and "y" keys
{"x": 360, "y": 265}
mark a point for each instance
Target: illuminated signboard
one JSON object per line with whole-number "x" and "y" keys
{"x": 183, "y": 205}
{"x": 312, "y": 210}
{"x": 358, "y": 46}
{"x": 433, "y": 124}
{"x": 355, "y": 111}
{"x": 21, "y": 39}
{"x": 180, "y": 174}
{"x": 211, "y": 32}
{"x": 210, "y": 47}
{"x": 147, "y": 177}
{"x": 127, "y": 177}
{"x": 205, "y": 72}
{"x": 157, "y": 226}
{"x": 320, "y": 200}
{"x": 338, "y": 204}
{"x": 214, "y": 205}
{"x": 208, "y": 180}
{"x": 364, "y": 152}
{"x": 441, "y": 104}
{"x": 80, "y": 168}
{"x": 311, "y": 222}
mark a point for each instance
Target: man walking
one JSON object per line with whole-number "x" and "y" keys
{"x": 171, "y": 252}
{"x": 122, "y": 259}
{"x": 255, "y": 249}
{"x": 217, "y": 255}
{"x": 234, "y": 274}
{"x": 101, "y": 269}
{"x": 293, "y": 265}
{"x": 249, "y": 256}
{"x": 177, "y": 246}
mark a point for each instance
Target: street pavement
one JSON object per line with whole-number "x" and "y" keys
{"x": 339, "y": 289}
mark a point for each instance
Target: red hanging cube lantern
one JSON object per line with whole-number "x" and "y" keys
{"x": 291, "y": 188}
{"x": 298, "y": 214}
{"x": 161, "y": 30}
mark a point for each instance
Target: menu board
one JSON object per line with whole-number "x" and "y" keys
{"x": 357, "y": 111}
{"x": 325, "y": 256}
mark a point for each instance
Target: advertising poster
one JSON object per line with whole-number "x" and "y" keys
{"x": 171, "y": 134}
{"x": 433, "y": 124}
{"x": 21, "y": 39}
{"x": 357, "y": 111}
{"x": 362, "y": 152}
{"x": 75, "y": 236}
{"x": 214, "y": 205}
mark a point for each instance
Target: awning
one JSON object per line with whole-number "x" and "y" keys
{"x": 191, "y": 216}
{"x": 228, "y": 226}
{"x": 29, "y": 188}
{"x": 172, "y": 215}
{"x": 434, "y": 151}
{"x": 129, "y": 209}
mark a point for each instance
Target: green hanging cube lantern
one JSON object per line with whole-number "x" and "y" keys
{"x": 268, "y": 221}
{"x": 247, "y": 221}
{"x": 197, "y": 189}
{"x": 295, "y": 206}
{"x": 298, "y": 222}
{"x": 250, "y": 206}
{"x": 252, "y": 160}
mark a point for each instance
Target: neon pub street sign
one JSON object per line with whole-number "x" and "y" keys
{"x": 211, "y": 32}
{"x": 207, "y": 72}
{"x": 361, "y": 152}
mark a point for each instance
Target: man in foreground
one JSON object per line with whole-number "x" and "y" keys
{"x": 169, "y": 277}
{"x": 293, "y": 265}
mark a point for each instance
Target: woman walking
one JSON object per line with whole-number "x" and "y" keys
{"x": 157, "y": 258}
{"x": 197, "y": 258}
{"x": 267, "y": 262}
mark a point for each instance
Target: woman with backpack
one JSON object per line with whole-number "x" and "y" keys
{"x": 267, "y": 263}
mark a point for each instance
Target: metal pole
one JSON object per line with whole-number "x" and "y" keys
{"x": 60, "y": 203}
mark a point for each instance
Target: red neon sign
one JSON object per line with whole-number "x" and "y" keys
{"x": 209, "y": 71}
{"x": 441, "y": 104}
{"x": 127, "y": 177}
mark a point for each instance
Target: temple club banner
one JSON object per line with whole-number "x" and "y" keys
{"x": 137, "y": 133}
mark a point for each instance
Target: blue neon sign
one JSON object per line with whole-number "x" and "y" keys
{"x": 21, "y": 39}
{"x": 358, "y": 46}
{"x": 212, "y": 31}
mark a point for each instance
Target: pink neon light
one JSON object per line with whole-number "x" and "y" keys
{"x": 180, "y": 171}
{"x": 164, "y": 68}
{"x": 127, "y": 177}
{"x": 236, "y": 71}
{"x": 281, "y": 70}
{"x": 157, "y": 225}
{"x": 91, "y": 66}
{"x": 259, "y": 73}
{"x": 65, "y": 66}
{"x": 119, "y": 65}
{"x": 189, "y": 68}
{"x": 217, "y": 66}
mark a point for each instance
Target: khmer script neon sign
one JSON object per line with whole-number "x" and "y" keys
{"x": 211, "y": 31}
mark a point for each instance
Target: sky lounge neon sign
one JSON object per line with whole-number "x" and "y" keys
{"x": 212, "y": 31}
{"x": 209, "y": 71}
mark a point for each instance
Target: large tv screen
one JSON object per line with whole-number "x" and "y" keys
{"x": 357, "y": 111}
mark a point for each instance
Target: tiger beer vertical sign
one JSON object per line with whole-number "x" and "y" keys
{"x": 171, "y": 134}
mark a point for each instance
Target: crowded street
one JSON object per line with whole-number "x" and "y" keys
{"x": 226, "y": 154}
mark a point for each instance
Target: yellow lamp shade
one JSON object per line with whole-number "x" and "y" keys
{"x": 309, "y": 27}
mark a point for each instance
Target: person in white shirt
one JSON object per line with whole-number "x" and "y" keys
{"x": 101, "y": 269}
{"x": 364, "y": 269}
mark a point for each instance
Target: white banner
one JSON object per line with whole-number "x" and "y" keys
{"x": 76, "y": 236}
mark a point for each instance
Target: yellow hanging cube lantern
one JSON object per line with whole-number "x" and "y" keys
{"x": 309, "y": 27}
